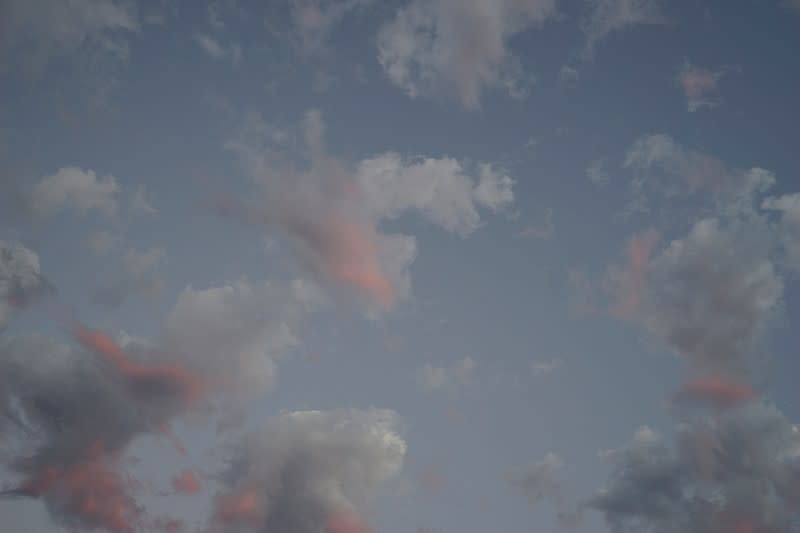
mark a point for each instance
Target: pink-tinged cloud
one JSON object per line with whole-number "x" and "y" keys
{"x": 697, "y": 82}
{"x": 91, "y": 490}
{"x": 346, "y": 523}
{"x": 717, "y": 392}
{"x": 633, "y": 282}
{"x": 144, "y": 380}
{"x": 349, "y": 254}
{"x": 239, "y": 509}
{"x": 187, "y": 483}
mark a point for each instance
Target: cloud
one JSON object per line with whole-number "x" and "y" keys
{"x": 216, "y": 50}
{"x": 697, "y": 84}
{"x": 138, "y": 275}
{"x": 46, "y": 29}
{"x": 668, "y": 169}
{"x": 20, "y": 279}
{"x": 309, "y": 471}
{"x": 538, "y": 481}
{"x": 631, "y": 282}
{"x": 69, "y": 413}
{"x": 788, "y": 206}
{"x": 435, "y": 47}
{"x": 71, "y": 188}
{"x": 332, "y": 210}
{"x": 236, "y": 332}
{"x": 730, "y": 472}
{"x": 431, "y": 377}
{"x": 609, "y": 16}
{"x": 597, "y": 173}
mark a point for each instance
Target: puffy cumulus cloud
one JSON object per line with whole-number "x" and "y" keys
{"x": 44, "y": 29}
{"x": 20, "y": 278}
{"x": 431, "y": 377}
{"x": 458, "y": 47}
{"x": 711, "y": 294}
{"x": 440, "y": 189}
{"x": 332, "y": 210}
{"x": 698, "y": 84}
{"x": 788, "y": 226}
{"x": 730, "y": 472}
{"x": 69, "y": 413}
{"x": 138, "y": 275}
{"x": 538, "y": 482}
{"x": 664, "y": 167}
{"x": 236, "y": 332}
{"x": 609, "y": 16}
{"x": 309, "y": 471}
{"x": 71, "y": 188}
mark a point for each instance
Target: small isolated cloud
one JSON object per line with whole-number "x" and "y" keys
{"x": 597, "y": 173}
{"x": 568, "y": 76}
{"x": 309, "y": 471}
{"x": 699, "y": 85}
{"x": 538, "y": 481}
{"x": 217, "y": 50}
{"x": 445, "y": 47}
{"x": 610, "y": 16}
{"x": 431, "y": 377}
{"x": 542, "y": 231}
{"x": 544, "y": 367}
{"x": 71, "y": 188}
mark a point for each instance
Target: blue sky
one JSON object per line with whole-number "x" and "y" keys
{"x": 417, "y": 266}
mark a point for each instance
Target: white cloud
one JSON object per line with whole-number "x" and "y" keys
{"x": 789, "y": 226}
{"x": 20, "y": 278}
{"x": 73, "y": 188}
{"x": 458, "y": 47}
{"x": 610, "y": 16}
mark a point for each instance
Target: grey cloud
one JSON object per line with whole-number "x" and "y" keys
{"x": 73, "y": 188}
{"x": 668, "y": 169}
{"x": 237, "y": 331}
{"x": 461, "y": 47}
{"x": 314, "y": 20}
{"x": 308, "y": 470}
{"x": 789, "y": 226}
{"x": 730, "y": 473}
{"x": 217, "y": 50}
{"x": 20, "y": 278}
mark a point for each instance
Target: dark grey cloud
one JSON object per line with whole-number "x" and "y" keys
{"x": 20, "y": 279}
{"x": 735, "y": 472}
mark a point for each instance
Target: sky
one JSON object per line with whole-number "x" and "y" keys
{"x": 402, "y": 266}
